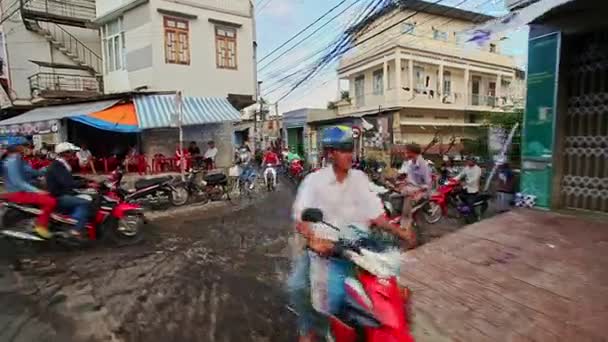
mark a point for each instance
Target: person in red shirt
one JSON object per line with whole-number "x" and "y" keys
{"x": 270, "y": 158}
{"x": 270, "y": 162}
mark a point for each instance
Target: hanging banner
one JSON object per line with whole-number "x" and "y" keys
{"x": 540, "y": 117}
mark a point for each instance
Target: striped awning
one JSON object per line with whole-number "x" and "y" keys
{"x": 156, "y": 111}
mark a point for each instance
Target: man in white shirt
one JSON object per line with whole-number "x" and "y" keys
{"x": 471, "y": 174}
{"x": 209, "y": 156}
{"x": 85, "y": 158}
{"x": 344, "y": 197}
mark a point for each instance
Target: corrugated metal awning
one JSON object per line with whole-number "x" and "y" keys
{"x": 59, "y": 112}
{"x": 155, "y": 111}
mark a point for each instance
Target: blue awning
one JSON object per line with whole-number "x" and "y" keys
{"x": 155, "y": 111}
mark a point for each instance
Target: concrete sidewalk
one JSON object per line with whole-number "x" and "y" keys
{"x": 522, "y": 276}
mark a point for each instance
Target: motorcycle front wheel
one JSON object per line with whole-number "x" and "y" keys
{"x": 432, "y": 213}
{"x": 127, "y": 230}
{"x": 179, "y": 196}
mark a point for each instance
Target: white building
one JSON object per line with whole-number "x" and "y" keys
{"x": 51, "y": 50}
{"x": 420, "y": 74}
{"x": 204, "y": 47}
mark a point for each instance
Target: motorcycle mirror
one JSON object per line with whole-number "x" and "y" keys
{"x": 313, "y": 215}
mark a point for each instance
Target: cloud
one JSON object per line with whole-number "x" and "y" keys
{"x": 316, "y": 96}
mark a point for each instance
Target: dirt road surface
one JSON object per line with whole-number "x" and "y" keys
{"x": 213, "y": 275}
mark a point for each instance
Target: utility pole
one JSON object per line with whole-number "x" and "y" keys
{"x": 255, "y": 117}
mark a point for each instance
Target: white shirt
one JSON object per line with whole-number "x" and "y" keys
{"x": 343, "y": 204}
{"x": 472, "y": 176}
{"x": 210, "y": 153}
{"x": 83, "y": 156}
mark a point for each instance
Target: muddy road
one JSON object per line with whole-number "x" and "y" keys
{"x": 212, "y": 275}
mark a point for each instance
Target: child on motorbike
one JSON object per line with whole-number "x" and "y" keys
{"x": 18, "y": 177}
{"x": 343, "y": 195}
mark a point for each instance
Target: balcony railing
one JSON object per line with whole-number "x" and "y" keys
{"x": 49, "y": 84}
{"x": 73, "y": 12}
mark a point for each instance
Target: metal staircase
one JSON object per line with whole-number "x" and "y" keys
{"x": 67, "y": 44}
{"x": 49, "y": 19}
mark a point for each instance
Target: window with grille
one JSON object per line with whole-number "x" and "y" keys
{"x": 378, "y": 82}
{"x": 225, "y": 47}
{"x": 177, "y": 41}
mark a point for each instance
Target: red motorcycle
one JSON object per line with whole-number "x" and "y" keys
{"x": 374, "y": 307}
{"x": 113, "y": 219}
{"x": 447, "y": 202}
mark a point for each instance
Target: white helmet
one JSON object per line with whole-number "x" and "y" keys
{"x": 66, "y": 147}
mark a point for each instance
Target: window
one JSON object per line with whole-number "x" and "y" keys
{"x": 389, "y": 77}
{"x": 114, "y": 45}
{"x": 440, "y": 35}
{"x": 419, "y": 77}
{"x": 360, "y": 90}
{"x": 447, "y": 83}
{"x": 225, "y": 47}
{"x": 492, "y": 47}
{"x": 177, "y": 41}
{"x": 378, "y": 82}
{"x": 408, "y": 28}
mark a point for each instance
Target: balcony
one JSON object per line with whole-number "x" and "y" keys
{"x": 52, "y": 85}
{"x": 79, "y": 13}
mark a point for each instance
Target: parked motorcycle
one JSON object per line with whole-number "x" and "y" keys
{"x": 447, "y": 199}
{"x": 212, "y": 187}
{"x": 374, "y": 307}
{"x": 154, "y": 193}
{"x": 270, "y": 177}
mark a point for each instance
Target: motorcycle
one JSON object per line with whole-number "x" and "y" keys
{"x": 270, "y": 176}
{"x": 113, "y": 219}
{"x": 212, "y": 187}
{"x": 295, "y": 170}
{"x": 153, "y": 193}
{"x": 374, "y": 306}
{"x": 447, "y": 197}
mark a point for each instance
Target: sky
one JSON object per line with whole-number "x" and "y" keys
{"x": 278, "y": 20}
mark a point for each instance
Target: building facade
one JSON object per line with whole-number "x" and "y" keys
{"x": 51, "y": 50}
{"x": 204, "y": 48}
{"x": 420, "y": 71}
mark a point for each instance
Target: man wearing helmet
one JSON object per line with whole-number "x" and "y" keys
{"x": 17, "y": 182}
{"x": 61, "y": 185}
{"x": 344, "y": 197}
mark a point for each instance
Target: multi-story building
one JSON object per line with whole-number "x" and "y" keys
{"x": 204, "y": 47}
{"x": 51, "y": 50}
{"x": 420, "y": 73}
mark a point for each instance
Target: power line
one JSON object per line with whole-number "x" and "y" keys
{"x": 303, "y": 30}
{"x": 310, "y": 35}
{"x": 341, "y": 51}
{"x": 261, "y": 8}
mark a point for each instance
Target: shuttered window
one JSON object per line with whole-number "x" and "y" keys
{"x": 177, "y": 41}
{"x": 225, "y": 47}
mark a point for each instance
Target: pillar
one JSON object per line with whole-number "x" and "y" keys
{"x": 410, "y": 70}
{"x": 440, "y": 93}
{"x": 467, "y": 101}
{"x": 398, "y": 84}
{"x": 385, "y": 80}
{"x": 498, "y": 92}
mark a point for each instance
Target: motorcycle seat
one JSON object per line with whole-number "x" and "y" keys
{"x": 215, "y": 179}
{"x": 144, "y": 183}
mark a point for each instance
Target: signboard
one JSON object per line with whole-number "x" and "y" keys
{"x": 31, "y": 128}
{"x": 540, "y": 116}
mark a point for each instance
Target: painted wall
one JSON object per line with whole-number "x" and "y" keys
{"x": 202, "y": 77}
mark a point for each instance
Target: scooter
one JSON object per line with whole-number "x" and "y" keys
{"x": 270, "y": 176}
{"x": 374, "y": 307}
{"x": 447, "y": 197}
{"x": 295, "y": 170}
{"x": 152, "y": 193}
